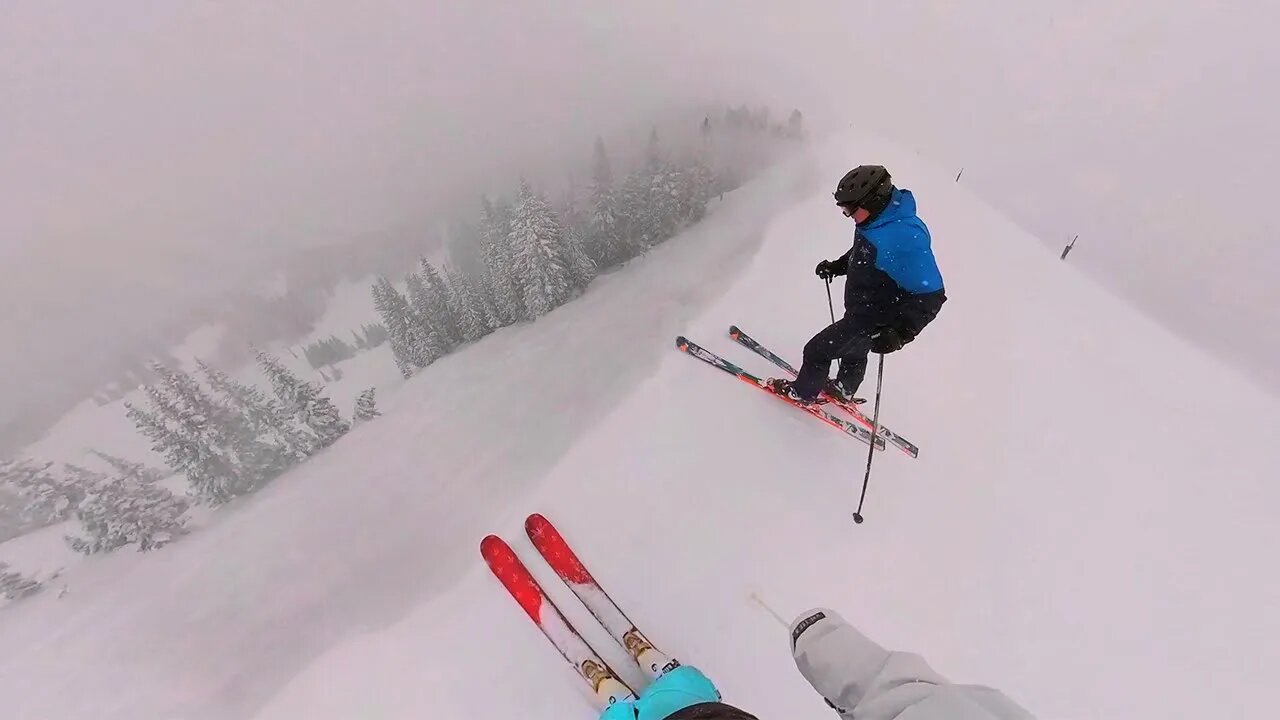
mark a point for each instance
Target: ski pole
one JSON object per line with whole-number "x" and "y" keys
{"x": 875, "y": 432}
{"x": 831, "y": 306}
{"x": 760, "y": 601}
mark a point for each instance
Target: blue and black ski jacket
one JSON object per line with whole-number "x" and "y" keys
{"x": 892, "y": 278}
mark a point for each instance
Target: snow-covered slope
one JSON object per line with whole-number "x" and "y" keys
{"x": 1088, "y": 526}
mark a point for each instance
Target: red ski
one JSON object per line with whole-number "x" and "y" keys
{"x": 556, "y": 551}
{"x": 849, "y": 428}
{"x": 515, "y": 577}
{"x": 750, "y": 343}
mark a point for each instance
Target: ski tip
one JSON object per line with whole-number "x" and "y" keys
{"x": 734, "y": 332}
{"x": 682, "y": 342}
{"x": 491, "y": 545}
{"x": 540, "y": 529}
{"x": 535, "y": 521}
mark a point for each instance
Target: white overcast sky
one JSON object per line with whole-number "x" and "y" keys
{"x": 153, "y": 149}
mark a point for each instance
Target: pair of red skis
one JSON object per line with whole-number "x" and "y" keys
{"x": 864, "y": 429}
{"x": 518, "y": 581}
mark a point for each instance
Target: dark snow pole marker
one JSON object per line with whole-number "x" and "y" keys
{"x": 1067, "y": 249}
{"x": 875, "y": 430}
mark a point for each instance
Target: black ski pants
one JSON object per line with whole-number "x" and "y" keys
{"x": 847, "y": 340}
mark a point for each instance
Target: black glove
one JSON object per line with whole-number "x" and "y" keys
{"x": 828, "y": 269}
{"x": 887, "y": 340}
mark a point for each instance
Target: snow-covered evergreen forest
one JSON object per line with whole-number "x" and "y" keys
{"x": 224, "y": 437}
{"x": 215, "y": 437}
{"x": 527, "y": 254}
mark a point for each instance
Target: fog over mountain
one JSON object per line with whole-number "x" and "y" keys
{"x": 158, "y": 155}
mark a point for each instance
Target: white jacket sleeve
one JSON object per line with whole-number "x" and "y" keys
{"x": 863, "y": 681}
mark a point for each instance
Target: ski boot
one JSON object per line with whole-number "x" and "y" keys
{"x": 784, "y": 388}
{"x": 839, "y": 392}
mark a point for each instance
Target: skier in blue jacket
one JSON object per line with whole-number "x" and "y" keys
{"x": 892, "y": 287}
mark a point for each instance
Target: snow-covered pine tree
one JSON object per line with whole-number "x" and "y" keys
{"x": 187, "y": 403}
{"x": 269, "y": 422}
{"x": 222, "y": 431}
{"x": 200, "y": 450}
{"x": 496, "y": 252}
{"x": 488, "y": 307}
{"x": 88, "y": 480}
{"x": 304, "y": 400}
{"x": 606, "y": 242}
{"x": 427, "y": 322}
{"x": 540, "y": 261}
{"x": 14, "y": 585}
{"x": 211, "y": 478}
{"x": 664, "y": 191}
{"x": 465, "y": 305}
{"x": 410, "y": 347}
{"x": 123, "y": 510}
{"x": 47, "y": 497}
{"x": 130, "y": 469}
{"x": 90, "y": 514}
{"x": 639, "y": 221}
{"x": 288, "y": 388}
{"x": 176, "y": 449}
{"x": 183, "y": 402}
{"x": 481, "y": 295}
{"x": 366, "y": 407}
{"x": 696, "y": 184}
{"x": 581, "y": 267}
{"x": 415, "y": 291}
{"x": 437, "y": 307}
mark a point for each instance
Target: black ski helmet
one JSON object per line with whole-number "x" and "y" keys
{"x": 866, "y": 186}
